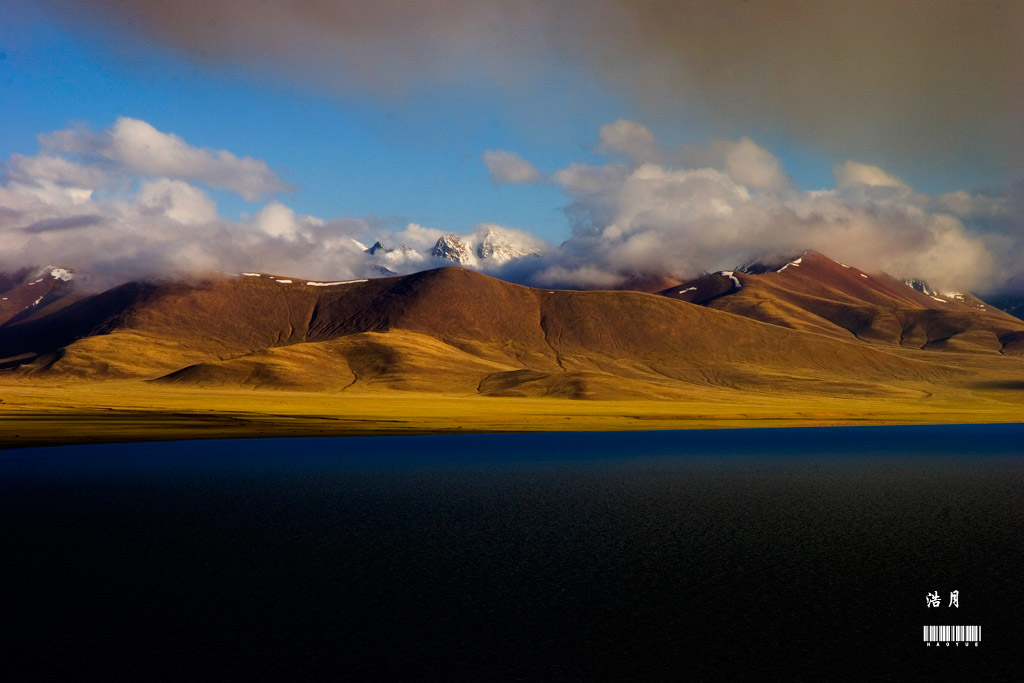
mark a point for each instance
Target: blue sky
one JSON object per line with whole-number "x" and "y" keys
{"x": 351, "y": 157}
{"x": 391, "y": 134}
{"x": 414, "y": 158}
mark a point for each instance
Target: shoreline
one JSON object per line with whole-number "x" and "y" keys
{"x": 34, "y": 413}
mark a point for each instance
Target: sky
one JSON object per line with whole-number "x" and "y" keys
{"x": 145, "y": 138}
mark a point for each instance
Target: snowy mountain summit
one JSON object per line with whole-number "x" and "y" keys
{"x": 453, "y": 248}
{"x": 485, "y": 248}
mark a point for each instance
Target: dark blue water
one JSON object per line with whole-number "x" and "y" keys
{"x": 797, "y": 554}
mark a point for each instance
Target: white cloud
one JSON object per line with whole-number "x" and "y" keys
{"x": 753, "y": 166}
{"x": 851, "y": 174}
{"x": 508, "y": 168}
{"x": 630, "y": 139}
{"x": 583, "y": 277}
{"x": 135, "y": 147}
{"x": 277, "y": 220}
{"x": 148, "y": 220}
{"x": 743, "y": 160}
{"x": 675, "y": 218}
{"x": 415, "y": 235}
{"x": 656, "y": 219}
{"x": 177, "y": 200}
{"x": 55, "y": 170}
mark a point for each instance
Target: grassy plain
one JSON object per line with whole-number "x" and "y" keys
{"x": 48, "y": 412}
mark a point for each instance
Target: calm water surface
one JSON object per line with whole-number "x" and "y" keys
{"x": 700, "y": 555}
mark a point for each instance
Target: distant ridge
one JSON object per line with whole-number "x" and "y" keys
{"x": 813, "y": 293}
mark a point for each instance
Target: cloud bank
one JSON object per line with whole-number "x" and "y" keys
{"x": 93, "y": 201}
{"x": 122, "y": 204}
{"x": 915, "y": 81}
{"x": 656, "y": 211}
{"x": 134, "y": 147}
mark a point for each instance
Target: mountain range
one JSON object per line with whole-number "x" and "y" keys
{"x": 808, "y": 325}
{"x": 486, "y": 249}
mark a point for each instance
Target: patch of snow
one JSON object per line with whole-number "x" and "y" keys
{"x": 791, "y": 263}
{"x": 30, "y": 284}
{"x": 735, "y": 280}
{"x": 332, "y": 284}
{"x": 251, "y": 274}
{"x": 36, "y": 302}
{"x": 688, "y": 289}
{"x": 62, "y": 274}
{"x": 4, "y": 299}
{"x": 844, "y": 265}
{"x": 922, "y": 286}
{"x": 863, "y": 275}
{"x": 285, "y": 282}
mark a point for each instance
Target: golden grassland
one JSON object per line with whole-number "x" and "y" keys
{"x": 49, "y": 412}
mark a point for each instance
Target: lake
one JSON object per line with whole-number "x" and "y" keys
{"x": 797, "y": 553}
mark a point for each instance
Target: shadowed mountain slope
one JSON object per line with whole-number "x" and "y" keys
{"x": 816, "y": 294}
{"x": 31, "y": 293}
{"x": 449, "y": 330}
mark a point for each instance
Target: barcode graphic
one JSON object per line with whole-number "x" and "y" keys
{"x": 954, "y": 634}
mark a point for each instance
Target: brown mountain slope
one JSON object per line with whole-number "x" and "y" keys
{"x": 449, "y": 330}
{"x": 816, "y": 294}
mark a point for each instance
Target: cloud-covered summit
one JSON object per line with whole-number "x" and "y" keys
{"x": 653, "y": 211}
{"x": 129, "y": 202}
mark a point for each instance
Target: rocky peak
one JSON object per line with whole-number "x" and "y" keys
{"x": 452, "y": 248}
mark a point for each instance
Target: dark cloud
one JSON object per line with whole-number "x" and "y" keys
{"x": 63, "y": 223}
{"x": 914, "y": 82}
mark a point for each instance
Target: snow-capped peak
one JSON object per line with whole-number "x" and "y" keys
{"x": 453, "y": 248}
{"x": 924, "y": 288}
